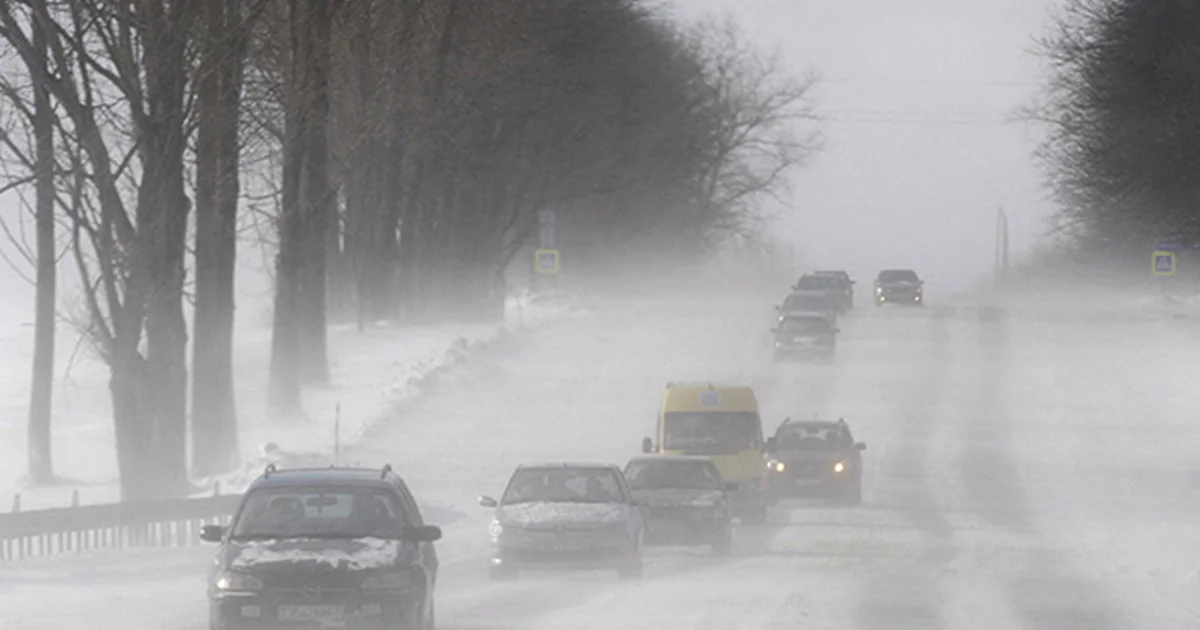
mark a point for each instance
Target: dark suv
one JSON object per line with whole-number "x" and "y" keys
{"x": 318, "y": 548}
{"x": 899, "y": 286}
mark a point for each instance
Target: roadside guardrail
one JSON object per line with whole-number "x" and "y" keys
{"x": 58, "y": 531}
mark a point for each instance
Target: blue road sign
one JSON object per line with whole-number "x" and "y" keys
{"x": 1163, "y": 263}
{"x": 546, "y": 261}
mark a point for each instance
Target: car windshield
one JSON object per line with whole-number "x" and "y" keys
{"x": 898, "y": 275}
{"x": 799, "y": 301}
{"x": 804, "y": 326}
{"x": 672, "y": 475}
{"x": 711, "y": 432}
{"x": 274, "y": 513}
{"x": 564, "y": 485}
{"x": 811, "y": 283}
{"x": 814, "y": 437}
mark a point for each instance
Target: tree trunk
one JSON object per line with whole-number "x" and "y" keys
{"x": 162, "y": 221}
{"x": 284, "y": 380}
{"x": 214, "y": 413}
{"x": 133, "y": 418}
{"x": 318, "y": 199}
{"x": 41, "y": 462}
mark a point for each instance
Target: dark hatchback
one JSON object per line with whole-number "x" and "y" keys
{"x": 804, "y": 336}
{"x": 324, "y": 548}
{"x": 815, "y": 457}
{"x": 684, "y": 499}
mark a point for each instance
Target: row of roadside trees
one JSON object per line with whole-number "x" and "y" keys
{"x": 1121, "y": 107}
{"x": 404, "y": 149}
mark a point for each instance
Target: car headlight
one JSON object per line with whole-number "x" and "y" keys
{"x": 388, "y": 582}
{"x": 879, "y": 289}
{"x": 776, "y": 465}
{"x": 839, "y": 467}
{"x": 236, "y": 581}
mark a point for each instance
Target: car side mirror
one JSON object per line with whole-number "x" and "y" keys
{"x": 212, "y": 533}
{"x": 776, "y": 330}
{"x": 487, "y": 502}
{"x": 778, "y": 308}
{"x": 771, "y": 445}
{"x": 423, "y": 534}
{"x": 860, "y": 446}
{"x": 647, "y": 445}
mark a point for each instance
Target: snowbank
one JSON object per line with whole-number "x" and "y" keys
{"x": 371, "y": 371}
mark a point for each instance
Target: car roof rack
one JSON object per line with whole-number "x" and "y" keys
{"x": 269, "y": 469}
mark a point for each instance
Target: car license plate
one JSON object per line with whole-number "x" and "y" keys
{"x": 330, "y": 616}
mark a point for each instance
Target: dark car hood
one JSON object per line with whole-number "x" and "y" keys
{"x": 678, "y": 497}
{"x": 899, "y": 284}
{"x": 308, "y": 555}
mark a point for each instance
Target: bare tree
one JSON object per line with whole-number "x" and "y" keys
{"x": 139, "y": 256}
{"x": 298, "y": 353}
{"x": 41, "y": 461}
{"x": 1123, "y": 122}
{"x": 219, "y": 91}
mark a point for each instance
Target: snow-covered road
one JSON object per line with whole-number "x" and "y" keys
{"x": 1028, "y": 473}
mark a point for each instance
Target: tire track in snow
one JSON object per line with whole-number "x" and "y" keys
{"x": 908, "y": 596}
{"x": 995, "y": 493}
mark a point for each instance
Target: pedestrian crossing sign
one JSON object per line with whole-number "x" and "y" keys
{"x": 546, "y": 261}
{"x": 1163, "y": 263}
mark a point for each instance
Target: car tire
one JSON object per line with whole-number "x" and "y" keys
{"x": 853, "y": 496}
{"x": 632, "y": 570}
{"x": 427, "y": 620}
{"x": 724, "y": 543}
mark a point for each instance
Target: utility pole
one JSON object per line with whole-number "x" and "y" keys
{"x": 1001, "y": 259}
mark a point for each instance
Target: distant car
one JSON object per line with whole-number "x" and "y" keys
{"x": 329, "y": 547}
{"x": 815, "y": 456}
{"x": 566, "y": 516}
{"x": 804, "y": 335}
{"x": 684, "y": 500}
{"x": 899, "y": 286}
{"x": 844, "y": 282}
{"x": 808, "y": 303}
{"x": 829, "y": 287}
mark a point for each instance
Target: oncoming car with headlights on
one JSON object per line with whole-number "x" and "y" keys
{"x": 321, "y": 548}
{"x": 684, "y": 500}
{"x": 815, "y": 457}
{"x": 566, "y": 516}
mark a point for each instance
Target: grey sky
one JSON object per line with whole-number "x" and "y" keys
{"x": 915, "y": 93}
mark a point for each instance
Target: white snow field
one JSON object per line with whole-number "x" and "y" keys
{"x": 370, "y": 371}
{"x": 1038, "y": 471}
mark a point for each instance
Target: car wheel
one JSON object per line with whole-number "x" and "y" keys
{"x": 632, "y": 570}
{"x": 724, "y": 544}
{"x": 429, "y": 618}
{"x": 853, "y": 496}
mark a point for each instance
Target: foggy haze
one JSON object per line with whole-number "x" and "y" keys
{"x": 537, "y": 251}
{"x": 917, "y": 98}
